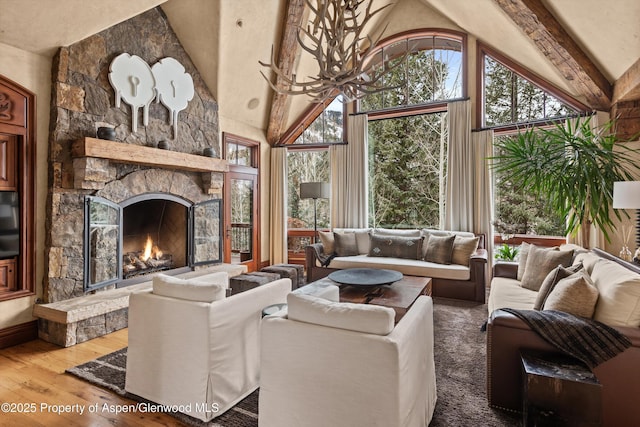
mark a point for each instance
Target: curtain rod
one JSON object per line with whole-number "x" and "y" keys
{"x": 311, "y": 145}
{"x": 535, "y": 122}
{"x": 416, "y": 106}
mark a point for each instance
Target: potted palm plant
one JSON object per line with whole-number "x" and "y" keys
{"x": 574, "y": 166}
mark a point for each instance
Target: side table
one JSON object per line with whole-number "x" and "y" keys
{"x": 559, "y": 391}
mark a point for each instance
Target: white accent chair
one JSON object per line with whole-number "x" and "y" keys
{"x": 191, "y": 346}
{"x": 347, "y": 365}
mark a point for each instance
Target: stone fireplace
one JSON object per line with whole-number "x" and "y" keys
{"x": 107, "y": 197}
{"x": 148, "y": 233}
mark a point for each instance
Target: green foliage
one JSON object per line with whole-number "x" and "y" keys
{"x": 406, "y": 164}
{"x": 572, "y": 166}
{"x": 506, "y": 252}
{"x": 520, "y": 212}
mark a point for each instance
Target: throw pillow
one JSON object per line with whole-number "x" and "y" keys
{"x": 439, "y": 249}
{"x": 575, "y": 295}
{"x": 396, "y": 246}
{"x": 326, "y": 238}
{"x": 540, "y": 262}
{"x": 551, "y": 280}
{"x": 619, "y": 302}
{"x": 211, "y": 289}
{"x": 523, "y": 254}
{"x": 426, "y": 232}
{"x": 345, "y": 244}
{"x": 463, "y": 248}
{"x": 362, "y": 239}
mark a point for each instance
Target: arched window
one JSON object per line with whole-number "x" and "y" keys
{"x": 427, "y": 67}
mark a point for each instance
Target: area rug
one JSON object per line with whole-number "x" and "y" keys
{"x": 460, "y": 374}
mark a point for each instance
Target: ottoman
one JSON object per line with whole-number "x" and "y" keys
{"x": 244, "y": 282}
{"x": 287, "y": 269}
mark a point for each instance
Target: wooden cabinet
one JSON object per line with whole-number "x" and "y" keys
{"x": 7, "y": 275}
{"x": 7, "y": 163}
{"x": 17, "y": 187}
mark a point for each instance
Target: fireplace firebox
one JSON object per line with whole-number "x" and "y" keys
{"x": 148, "y": 233}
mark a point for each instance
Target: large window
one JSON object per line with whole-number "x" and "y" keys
{"x": 305, "y": 166}
{"x": 407, "y": 171}
{"x": 408, "y": 131}
{"x": 512, "y": 100}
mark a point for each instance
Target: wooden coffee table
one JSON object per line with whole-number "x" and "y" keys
{"x": 399, "y": 295}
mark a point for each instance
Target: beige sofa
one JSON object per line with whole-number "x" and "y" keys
{"x": 618, "y": 305}
{"x": 449, "y": 280}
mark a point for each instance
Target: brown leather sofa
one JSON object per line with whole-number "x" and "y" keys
{"x": 473, "y": 289}
{"x": 507, "y": 335}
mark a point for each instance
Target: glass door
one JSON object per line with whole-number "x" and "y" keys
{"x": 241, "y": 236}
{"x": 242, "y": 202}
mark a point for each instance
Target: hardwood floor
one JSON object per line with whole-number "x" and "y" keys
{"x": 33, "y": 386}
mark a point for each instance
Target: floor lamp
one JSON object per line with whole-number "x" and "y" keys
{"x": 315, "y": 191}
{"x": 626, "y": 195}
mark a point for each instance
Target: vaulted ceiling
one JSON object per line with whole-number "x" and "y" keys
{"x": 589, "y": 48}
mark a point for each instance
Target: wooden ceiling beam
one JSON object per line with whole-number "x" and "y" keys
{"x": 559, "y": 47}
{"x": 627, "y": 87}
{"x": 287, "y": 56}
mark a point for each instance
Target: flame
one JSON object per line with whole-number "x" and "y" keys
{"x": 147, "y": 249}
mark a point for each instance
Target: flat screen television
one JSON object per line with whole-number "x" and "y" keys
{"x": 9, "y": 224}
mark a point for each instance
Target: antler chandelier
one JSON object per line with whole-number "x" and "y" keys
{"x": 334, "y": 36}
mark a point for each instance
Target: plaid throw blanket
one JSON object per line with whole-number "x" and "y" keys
{"x": 324, "y": 259}
{"x": 587, "y": 340}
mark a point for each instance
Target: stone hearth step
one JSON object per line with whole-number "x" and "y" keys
{"x": 80, "y": 319}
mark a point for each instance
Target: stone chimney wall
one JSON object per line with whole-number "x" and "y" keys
{"x": 83, "y": 100}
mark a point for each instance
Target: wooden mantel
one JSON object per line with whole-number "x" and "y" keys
{"x": 138, "y": 154}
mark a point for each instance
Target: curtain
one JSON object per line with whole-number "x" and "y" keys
{"x": 483, "y": 213}
{"x": 349, "y": 172}
{"x": 596, "y": 236}
{"x": 460, "y": 169}
{"x": 278, "y": 206}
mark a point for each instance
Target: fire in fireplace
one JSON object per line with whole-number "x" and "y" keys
{"x": 148, "y": 260}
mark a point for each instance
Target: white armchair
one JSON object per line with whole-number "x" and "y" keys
{"x": 191, "y": 346}
{"x": 339, "y": 364}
